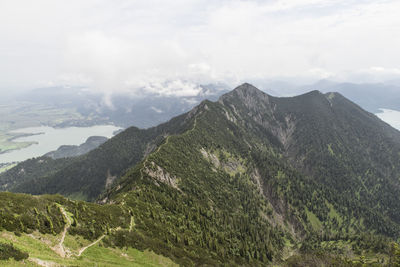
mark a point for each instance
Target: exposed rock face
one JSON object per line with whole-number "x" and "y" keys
{"x": 260, "y": 107}
{"x": 253, "y": 99}
{"x": 160, "y": 175}
{"x": 110, "y": 179}
{"x": 285, "y": 131}
{"x": 211, "y": 157}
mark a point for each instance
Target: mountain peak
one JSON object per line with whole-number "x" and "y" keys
{"x": 243, "y": 92}
{"x": 311, "y": 94}
{"x": 249, "y": 97}
{"x": 247, "y": 89}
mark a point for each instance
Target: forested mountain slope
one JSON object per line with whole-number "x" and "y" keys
{"x": 248, "y": 180}
{"x": 68, "y": 151}
{"x": 331, "y": 139}
{"x": 86, "y": 176}
{"x": 256, "y": 173}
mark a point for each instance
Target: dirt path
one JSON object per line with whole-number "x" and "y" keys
{"x": 63, "y": 251}
{"x": 91, "y": 244}
{"x": 59, "y": 248}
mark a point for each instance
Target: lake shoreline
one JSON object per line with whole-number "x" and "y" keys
{"x": 16, "y": 136}
{"x": 390, "y": 116}
{"x": 48, "y": 138}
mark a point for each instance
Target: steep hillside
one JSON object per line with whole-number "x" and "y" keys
{"x": 86, "y": 176}
{"x": 287, "y": 172}
{"x": 333, "y": 140}
{"x": 248, "y": 180}
{"x": 54, "y": 231}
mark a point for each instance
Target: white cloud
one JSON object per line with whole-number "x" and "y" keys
{"x": 173, "y": 88}
{"x": 171, "y": 46}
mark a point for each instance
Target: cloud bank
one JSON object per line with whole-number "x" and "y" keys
{"x": 170, "y": 47}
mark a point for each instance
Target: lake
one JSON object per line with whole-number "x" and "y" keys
{"x": 390, "y": 116}
{"x": 49, "y": 139}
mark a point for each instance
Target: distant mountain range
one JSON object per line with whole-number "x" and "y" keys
{"x": 150, "y": 109}
{"x": 122, "y": 109}
{"x": 248, "y": 180}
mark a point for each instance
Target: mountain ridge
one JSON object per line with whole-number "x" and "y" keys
{"x": 252, "y": 179}
{"x": 305, "y": 208}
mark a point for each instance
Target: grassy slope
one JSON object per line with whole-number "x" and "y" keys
{"x": 97, "y": 255}
{"x": 38, "y": 225}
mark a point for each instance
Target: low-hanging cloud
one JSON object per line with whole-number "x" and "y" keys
{"x": 170, "y": 47}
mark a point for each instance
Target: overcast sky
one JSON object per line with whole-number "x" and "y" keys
{"x": 112, "y": 45}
